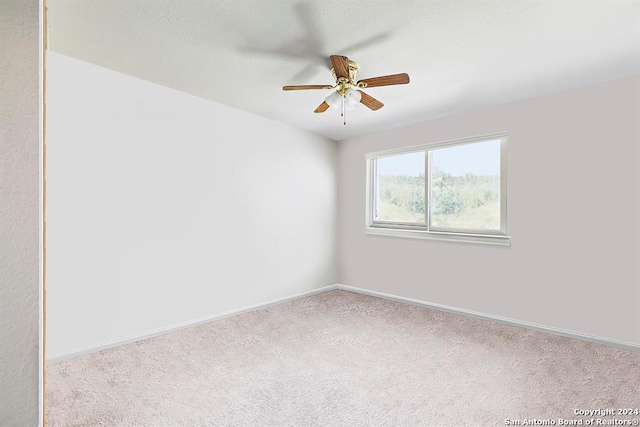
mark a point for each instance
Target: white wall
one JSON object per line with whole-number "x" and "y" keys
{"x": 164, "y": 208}
{"x": 19, "y": 212}
{"x": 573, "y": 217}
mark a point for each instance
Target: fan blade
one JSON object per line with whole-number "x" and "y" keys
{"x": 305, "y": 87}
{"x": 340, "y": 65}
{"x": 363, "y": 44}
{"x": 322, "y": 108}
{"x": 394, "y": 79}
{"x": 370, "y": 101}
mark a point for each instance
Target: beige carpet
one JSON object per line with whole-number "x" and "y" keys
{"x": 343, "y": 359}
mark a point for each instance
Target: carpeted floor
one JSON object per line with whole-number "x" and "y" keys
{"x": 343, "y": 359}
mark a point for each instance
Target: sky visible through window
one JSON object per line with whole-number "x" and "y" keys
{"x": 477, "y": 158}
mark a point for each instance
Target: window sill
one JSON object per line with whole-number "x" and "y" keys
{"x": 487, "y": 239}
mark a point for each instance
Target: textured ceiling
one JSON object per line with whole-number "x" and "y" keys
{"x": 460, "y": 55}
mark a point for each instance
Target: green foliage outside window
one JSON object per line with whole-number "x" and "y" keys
{"x": 469, "y": 201}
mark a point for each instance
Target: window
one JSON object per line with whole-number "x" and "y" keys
{"x": 450, "y": 191}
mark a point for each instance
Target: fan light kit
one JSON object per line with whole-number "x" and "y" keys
{"x": 345, "y": 96}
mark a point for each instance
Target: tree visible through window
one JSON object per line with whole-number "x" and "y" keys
{"x": 454, "y": 187}
{"x": 400, "y": 188}
{"x": 465, "y": 186}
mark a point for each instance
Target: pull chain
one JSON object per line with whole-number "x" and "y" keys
{"x": 344, "y": 103}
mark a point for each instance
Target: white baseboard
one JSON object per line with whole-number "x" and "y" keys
{"x": 541, "y": 328}
{"x": 512, "y": 322}
{"x": 160, "y": 331}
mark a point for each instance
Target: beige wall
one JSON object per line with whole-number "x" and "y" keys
{"x": 572, "y": 214}
{"x": 19, "y": 212}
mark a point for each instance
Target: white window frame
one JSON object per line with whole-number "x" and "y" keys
{"x": 426, "y": 231}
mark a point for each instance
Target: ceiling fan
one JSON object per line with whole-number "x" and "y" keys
{"x": 345, "y": 95}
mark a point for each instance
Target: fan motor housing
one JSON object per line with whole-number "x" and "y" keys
{"x": 353, "y": 71}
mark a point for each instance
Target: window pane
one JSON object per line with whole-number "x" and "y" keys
{"x": 465, "y": 186}
{"x": 400, "y": 188}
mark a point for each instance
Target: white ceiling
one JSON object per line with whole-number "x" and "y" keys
{"x": 460, "y": 55}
